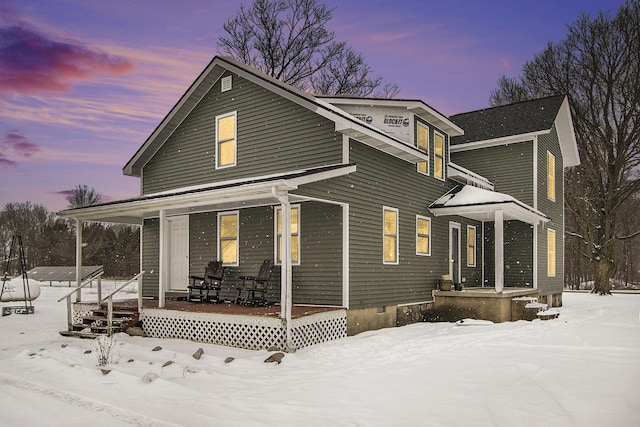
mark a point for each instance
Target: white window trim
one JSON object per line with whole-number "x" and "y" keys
{"x": 219, "y": 240}
{"x": 420, "y": 124}
{"x": 275, "y": 233}
{"x": 550, "y": 155}
{"x": 419, "y": 217}
{"x": 475, "y": 245}
{"x": 444, "y": 152}
{"x": 397, "y": 260}
{"x": 235, "y": 145}
{"x": 555, "y": 253}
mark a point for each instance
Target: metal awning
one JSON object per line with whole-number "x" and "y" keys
{"x": 254, "y": 191}
{"x": 480, "y": 205}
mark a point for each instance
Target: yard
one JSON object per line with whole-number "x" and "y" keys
{"x": 580, "y": 369}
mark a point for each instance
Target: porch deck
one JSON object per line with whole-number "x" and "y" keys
{"x": 480, "y": 303}
{"x": 254, "y": 328}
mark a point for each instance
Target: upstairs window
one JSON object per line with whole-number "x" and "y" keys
{"x": 423, "y": 235}
{"x": 422, "y": 143}
{"x": 471, "y": 246}
{"x": 226, "y": 140}
{"x": 551, "y": 177}
{"x": 295, "y": 235}
{"x": 438, "y": 156}
{"x": 390, "y": 236}
{"x": 228, "y": 238}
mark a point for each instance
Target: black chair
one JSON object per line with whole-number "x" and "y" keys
{"x": 207, "y": 288}
{"x": 253, "y": 289}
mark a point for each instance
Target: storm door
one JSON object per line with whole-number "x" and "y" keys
{"x": 178, "y": 252}
{"x": 454, "y": 251}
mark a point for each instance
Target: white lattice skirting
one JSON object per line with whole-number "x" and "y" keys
{"x": 250, "y": 332}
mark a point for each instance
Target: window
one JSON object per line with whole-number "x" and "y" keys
{"x": 551, "y": 252}
{"x": 551, "y": 176}
{"x": 422, "y": 143}
{"x": 390, "y": 219}
{"x": 423, "y": 235}
{"x": 438, "y": 156}
{"x": 471, "y": 246}
{"x": 295, "y": 235}
{"x": 226, "y": 140}
{"x": 228, "y": 238}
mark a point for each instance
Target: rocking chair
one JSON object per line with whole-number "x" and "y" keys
{"x": 253, "y": 289}
{"x": 207, "y": 288}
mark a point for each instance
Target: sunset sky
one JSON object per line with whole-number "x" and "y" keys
{"x": 84, "y": 82}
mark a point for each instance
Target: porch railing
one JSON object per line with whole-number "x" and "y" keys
{"x": 109, "y": 299}
{"x": 77, "y": 289}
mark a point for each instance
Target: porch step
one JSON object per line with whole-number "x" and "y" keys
{"x": 97, "y": 323}
{"x": 80, "y": 334}
{"x": 548, "y": 315}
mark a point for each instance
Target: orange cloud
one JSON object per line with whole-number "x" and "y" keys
{"x": 32, "y": 62}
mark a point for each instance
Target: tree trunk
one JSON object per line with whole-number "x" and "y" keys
{"x": 602, "y": 285}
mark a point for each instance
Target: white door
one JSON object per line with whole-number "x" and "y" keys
{"x": 178, "y": 252}
{"x": 454, "y": 251}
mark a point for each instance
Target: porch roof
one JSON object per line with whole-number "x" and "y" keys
{"x": 252, "y": 191}
{"x": 480, "y": 205}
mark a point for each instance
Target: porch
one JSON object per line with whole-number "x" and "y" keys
{"x": 228, "y": 324}
{"x": 510, "y": 304}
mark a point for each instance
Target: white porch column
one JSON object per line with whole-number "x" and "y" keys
{"x": 499, "y": 250}
{"x": 163, "y": 259}
{"x": 285, "y": 272}
{"x": 79, "y": 225}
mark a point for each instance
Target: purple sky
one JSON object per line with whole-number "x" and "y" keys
{"x": 84, "y": 82}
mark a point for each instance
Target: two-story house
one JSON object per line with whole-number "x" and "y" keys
{"x": 363, "y": 204}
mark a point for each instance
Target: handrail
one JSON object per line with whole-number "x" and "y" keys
{"x": 82, "y": 285}
{"x": 121, "y": 287}
{"x": 109, "y": 299}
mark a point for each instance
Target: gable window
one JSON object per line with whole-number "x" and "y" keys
{"x": 551, "y": 176}
{"x": 295, "y": 235}
{"x": 438, "y": 155}
{"x": 423, "y": 235}
{"x": 471, "y": 246}
{"x": 228, "y": 238}
{"x": 422, "y": 143}
{"x": 390, "y": 235}
{"x": 551, "y": 252}
{"x": 226, "y": 140}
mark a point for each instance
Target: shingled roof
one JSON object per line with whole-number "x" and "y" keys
{"x": 507, "y": 120}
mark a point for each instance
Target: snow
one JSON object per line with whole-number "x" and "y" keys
{"x": 581, "y": 369}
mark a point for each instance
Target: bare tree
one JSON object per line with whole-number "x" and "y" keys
{"x": 82, "y": 195}
{"x": 598, "y": 66}
{"x": 289, "y": 40}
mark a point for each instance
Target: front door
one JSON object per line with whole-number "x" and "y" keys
{"x": 454, "y": 251}
{"x": 178, "y": 252}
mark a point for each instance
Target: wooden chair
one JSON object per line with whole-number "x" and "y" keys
{"x": 207, "y": 288}
{"x": 253, "y": 289}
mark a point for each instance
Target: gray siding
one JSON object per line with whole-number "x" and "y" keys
{"x": 509, "y": 167}
{"x": 554, "y": 210}
{"x": 273, "y": 135}
{"x": 381, "y": 180}
{"x": 318, "y": 278}
{"x": 150, "y": 257}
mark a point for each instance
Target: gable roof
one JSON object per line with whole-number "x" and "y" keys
{"x": 481, "y": 204}
{"x": 345, "y": 122}
{"x": 502, "y": 124}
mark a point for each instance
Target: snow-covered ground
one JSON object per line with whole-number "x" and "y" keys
{"x": 582, "y": 369}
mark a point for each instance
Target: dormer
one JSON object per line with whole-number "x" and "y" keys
{"x": 410, "y": 121}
